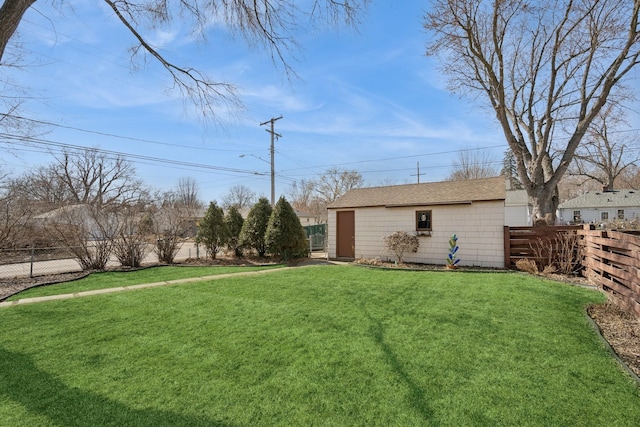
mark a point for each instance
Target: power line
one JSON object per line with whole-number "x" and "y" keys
{"x": 23, "y": 140}
{"x": 410, "y": 156}
{"x": 129, "y": 138}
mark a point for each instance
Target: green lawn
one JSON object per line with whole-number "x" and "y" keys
{"x": 334, "y": 345}
{"x": 111, "y": 279}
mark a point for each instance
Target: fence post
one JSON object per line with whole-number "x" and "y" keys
{"x": 31, "y": 264}
{"x": 507, "y": 247}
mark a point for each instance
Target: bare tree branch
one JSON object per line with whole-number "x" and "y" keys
{"x": 604, "y": 156}
{"x": 546, "y": 68}
{"x": 272, "y": 25}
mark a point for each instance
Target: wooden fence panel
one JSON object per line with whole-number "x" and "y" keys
{"x": 520, "y": 242}
{"x": 612, "y": 261}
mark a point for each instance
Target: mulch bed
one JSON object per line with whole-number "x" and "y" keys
{"x": 9, "y": 287}
{"x": 622, "y": 332}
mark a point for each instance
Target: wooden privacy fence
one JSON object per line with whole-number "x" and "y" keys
{"x": 612, "y": 261}
{"x": 522, "y": 242}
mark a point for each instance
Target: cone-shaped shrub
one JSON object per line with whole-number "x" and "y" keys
{"x": 285, "y": 238}
{"x": 234, "y": 222}
{"x": 212, "y": 230}
{"x": 255, "y": 226}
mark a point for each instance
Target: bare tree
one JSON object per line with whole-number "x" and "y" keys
{"x": 168, "y": 224}
{"x": 604, "y": 155}
{"x": 240, "y": 196}
{"x": 572, "y": 186}
{"x": 313, "y": 196}
{"x": 131, "y": 244}
{"x": 87, "y": 231}
{"x": 270, "y": 25}
{"x": 473, "y": 164}
{"x": 546, "y": 69}
{"x": 631, "y": 178}
{"x": 336, "y": 182}
{"x": 301, "y": 194}
{"x": 188, "y": 197}
{"x": 90, "y": 177}
{"x": 15, "y": 214}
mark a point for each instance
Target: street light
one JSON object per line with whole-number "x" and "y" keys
{"x": 272, "y": 173}
{"x": 254, "y": 156}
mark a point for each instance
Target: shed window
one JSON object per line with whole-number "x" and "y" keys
{"x": 576, "y": 216}
{"x": 604, "y": 216}
{"x": 423, "y": 220}
{"x": 620, "y": 213}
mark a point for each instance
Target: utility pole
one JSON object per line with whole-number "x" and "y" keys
{"x": 274, "y": 135}
{"x": 418, "y": 174}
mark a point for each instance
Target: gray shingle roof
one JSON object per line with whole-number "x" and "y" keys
{"x": 430, "y": 193}
{"x": 517, "y": 198}
{"x": 602, "y": 199}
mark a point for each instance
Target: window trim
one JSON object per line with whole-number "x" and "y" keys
{"x": 429, "y": 213}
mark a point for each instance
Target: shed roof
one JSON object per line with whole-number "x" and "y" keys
{"x": 430, "y": 193}
{"x": 604, "y": 199}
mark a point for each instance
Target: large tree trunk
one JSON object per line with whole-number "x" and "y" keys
{"x": 545, "y": 205}
{"x": 11, "y": 14}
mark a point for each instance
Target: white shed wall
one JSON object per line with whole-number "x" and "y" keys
{"x": 479, "y": 226}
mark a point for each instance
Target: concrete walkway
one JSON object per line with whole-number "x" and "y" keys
{"x": 33, "y": 300}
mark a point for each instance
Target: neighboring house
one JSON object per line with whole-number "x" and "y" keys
{"x": 601, "y": 206}
{"x": 517, "y": 209}
{"x": 82, "y": 216}
{"x": 307, "y": 219}
{"x": 473, "y": 209}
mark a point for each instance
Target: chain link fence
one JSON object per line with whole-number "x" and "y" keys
{"x": 33, "y": 262}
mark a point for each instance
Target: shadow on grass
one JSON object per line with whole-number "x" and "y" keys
{"x": 417, "y": 396}
{"x": 42, "y": 394}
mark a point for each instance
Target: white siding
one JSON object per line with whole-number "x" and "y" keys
{"x": 594, "y": 215}
{"x": 479, "y": 227}
{"x": 517, "y": 216}
{"x": 331, "y": 233}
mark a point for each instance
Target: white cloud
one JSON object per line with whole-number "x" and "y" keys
{"x": 162, "y": 38}
{"x": 279, "y": 99}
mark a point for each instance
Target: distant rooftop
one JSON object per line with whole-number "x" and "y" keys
{"x": 604, "y": 199}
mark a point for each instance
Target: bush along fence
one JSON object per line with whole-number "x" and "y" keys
{"x": 611, "y": 259}
{"x": 542, "y": 245}
{"x": 33, "y": 262}
{"x": 607, "y": 258}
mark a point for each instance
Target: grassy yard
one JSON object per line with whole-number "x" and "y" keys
{"x": 111, "y": 279}
{"x": 334, "y": 345}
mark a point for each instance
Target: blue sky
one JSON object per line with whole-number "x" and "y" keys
{"x": 366, "y": 100}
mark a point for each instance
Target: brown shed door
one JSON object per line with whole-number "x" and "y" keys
{"x": 346, "y": 231}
